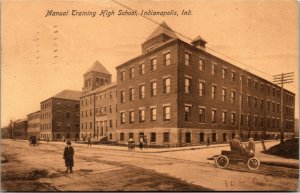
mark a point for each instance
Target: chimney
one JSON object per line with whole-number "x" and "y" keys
{"x": 199, "y": 42}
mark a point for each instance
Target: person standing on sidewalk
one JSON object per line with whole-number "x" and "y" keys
{"x": 145, "y": 142}
{"x": 251, "y": 146}
{"x": 141, "y": 142}
{"x": 68, "y": 157}
{"x": 89, "y": 142}
{"x": 207, "y": 142}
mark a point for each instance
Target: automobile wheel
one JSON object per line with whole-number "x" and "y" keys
{"x": 253, "y": 163}
{"x": 222, "y": 161}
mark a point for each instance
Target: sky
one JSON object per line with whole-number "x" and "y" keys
{"x": 37, "y": 62}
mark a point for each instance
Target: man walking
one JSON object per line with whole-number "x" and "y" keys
{"x": 141, "y": 142}
{"x": 68, "y": 156}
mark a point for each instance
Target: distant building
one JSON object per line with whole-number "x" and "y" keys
{"x": 34, "y": 124}
{"x": 6, "y": 132}
{"x": 98, "y": 104}
{"x": 60, "y": 116}
{"x": 19, "y": 130}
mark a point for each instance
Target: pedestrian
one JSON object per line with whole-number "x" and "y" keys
{"x": 68, "y": 157}
{"x": 89, "y": 142}
{"x": 145, "y": 142}
{"x": 251, "y": 147}
{"x": 141, "y": 142}
{"x": 207, "y": 142}
{"x": 130, "y": 144}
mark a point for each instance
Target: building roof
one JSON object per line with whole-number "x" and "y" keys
{"x": 97, "y": 67}
{"x": 68, "y": 94}
{"x": 199, "y": 38}
{"x": 163, "y": 28}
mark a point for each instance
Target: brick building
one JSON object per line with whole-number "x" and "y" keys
{"x": 60, "y": 116}
{"x": 34, "y": 123}
{"x": 98, "y": 104}
{"x": 19, "y": 130}
{"x": 177, "y": 94}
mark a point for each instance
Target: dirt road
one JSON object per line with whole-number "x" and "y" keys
{"x": 41, "y": 168}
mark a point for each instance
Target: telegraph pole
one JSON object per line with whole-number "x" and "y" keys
{"x": 282, "y": 79}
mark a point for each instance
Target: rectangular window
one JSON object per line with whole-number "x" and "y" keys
{"x": 224, "y": 117}
{"x": 68, "y": 115}
{"x": 187, "y": 59}
{"x": 213, "y": 69}
{"x": 188, "y": 85}
{"x": 167, "y": 59}
{"x": 273, "y": 104}
{"x": 131, "y": 94}
{"x": 142, "y": 91}
{"x": 153, "y": 88}
{"x": 153, "y": 64}
{"x": 214, "y": 137}
{"x": 232, "y": 119}
{"x": 201, "y": 115}
{"x": 201, "y": 88}
{"x": 131, "y": 72}
{"x": 142, "y": 69}
{"x": 188, "y": 137}
{"x": 233, "y": 76}
{"x": 166, "y": 113}
{"x": 248, "y": 120}
{"x": 213, "y": 116}
{"x": 255, "y": 85}
{"x": 242, "y": 119}
{"x": 224, "y": 73}
{"x": 224, "y": 94}
{"x": 201, "y": 64}
{"x": 166, "y": 85}
{"x": 213, "y": 91}
{"x": 202, "y": 137}
{"x": 153, "y": 137}
{"x": 121, "y": 136}
{"x": 232, "y": 97}
{"x": 249, "y": 82}
{"x": 131, "y": 117}
{"x": 166, "y": 137}
{"x": 262, "y": 104}
{"x": 153, "y": 114}
{"x": 187, "y": 109}
{"x": 268, "y": 105}
{"x": 122, "y": 118}
{"x": 261, "y": 121}
{"x": 130, "y": 135}
{"x": 255, "y": 121}
{"x": 249, "y": 101}
{"x": 122, "y": 96}
{"x": 255, "y": 102}
{"x": 278, "y": 107}
{"x": 122, "y": 75}
{"x": 91, "y": 125}
{"x": 142, "y": 115}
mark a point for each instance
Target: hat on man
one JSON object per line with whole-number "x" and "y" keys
{"x": 236, "y": 136}
{"x": 250, "y": 138}
{"x": 68, "y": 142}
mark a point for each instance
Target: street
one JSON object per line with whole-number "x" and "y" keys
{"x": 101, "y": 168}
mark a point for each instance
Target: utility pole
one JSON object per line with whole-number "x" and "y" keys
{"x": 282, "y": 79}
{"x": 240, "y": 107}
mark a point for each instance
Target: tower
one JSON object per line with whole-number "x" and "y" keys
{"x": 96, "y": 76}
